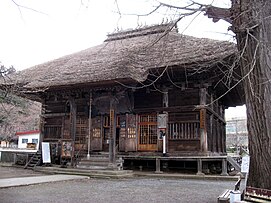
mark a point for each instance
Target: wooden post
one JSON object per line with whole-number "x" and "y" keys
{"x": 224, "y": 167}
{"x": 42, "y": 124}
{"x": 73, "y": 126}
{"x": 126, "y": 130}
{"x": 89, "y": 125}
{"x": 199, "y": 162}
{"x": 211, "y": 142}
{"x": 158, "y": 165}
{"x": 203, "y": 131}
{"x": 165, "y": 137}
{"x": 203, "y": 94}
{"x": 112, "y": 135}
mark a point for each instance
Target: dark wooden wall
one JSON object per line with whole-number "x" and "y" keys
{"x": 183, "y": 133}
{"x": 147, "y": 98}
{"x": 179, "y": 97}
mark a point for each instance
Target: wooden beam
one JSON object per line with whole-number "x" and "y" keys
{"x": 168, "y": 109}
{"x": 211, "y": 112}
{"x": 48, "y": 115}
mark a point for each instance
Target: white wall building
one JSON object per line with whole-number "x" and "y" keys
{"x": 28, "y": 137}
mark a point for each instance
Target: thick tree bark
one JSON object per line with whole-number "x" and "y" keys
{"x": 252, "y": 25}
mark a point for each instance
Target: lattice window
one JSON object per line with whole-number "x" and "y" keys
{"x": 148, "y": 134}
{"x": 148, "y": 118}
{"x": 81, "y": 129}
{"x": 81, "y": 121}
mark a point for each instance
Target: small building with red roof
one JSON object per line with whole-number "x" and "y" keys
{"x": 26, "y": 138}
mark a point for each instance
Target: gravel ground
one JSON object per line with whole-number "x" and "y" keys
{"x": 14, "y": 172}
{"x": 115, "y": 190}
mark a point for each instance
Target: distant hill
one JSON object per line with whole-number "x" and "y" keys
{"x": 17, "y": 114}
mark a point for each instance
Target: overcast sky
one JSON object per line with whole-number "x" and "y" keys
{"x": 54, "y": 28}
{"x": 62, "y": 27}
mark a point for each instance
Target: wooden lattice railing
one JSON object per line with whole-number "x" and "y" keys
{"x": 184, "y": 130}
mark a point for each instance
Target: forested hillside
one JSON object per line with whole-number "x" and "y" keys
{"x": 17, "y": 114}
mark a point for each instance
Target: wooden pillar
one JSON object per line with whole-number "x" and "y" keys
{"x": 224, "y": 132}
{"x": 215, "y": 136}
{"x": 73, "y": 126}
{"x": 89, "y": 125}
{"x": 224, "y": 139}
{"x": 42, "y": 122}
{"x": 126, "y": 131}
{"x": 203, "y": 130}
{"x": 199, "y": 163}
{"x": 112, "y": 135}
{"x": 158, "y": 166}
{"x": 224, "y": 167}
{"x": 212, "y": 132}
{"x": 219, "y": 134}
{"x": 165, "y": 137}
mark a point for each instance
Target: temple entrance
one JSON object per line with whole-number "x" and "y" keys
{"x": 106, "y": 134}
{"x": 147, "y": 131}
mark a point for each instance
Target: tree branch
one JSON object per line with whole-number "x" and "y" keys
{"x": 217, "y": 13}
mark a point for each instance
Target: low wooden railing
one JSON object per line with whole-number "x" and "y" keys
{"x": 184, "y": 130}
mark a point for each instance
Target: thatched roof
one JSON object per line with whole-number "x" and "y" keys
{"x": 126, "y": 55}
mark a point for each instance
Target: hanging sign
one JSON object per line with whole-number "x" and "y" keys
{"x": 162, "y": 121}
{"x": 202, "y": 116}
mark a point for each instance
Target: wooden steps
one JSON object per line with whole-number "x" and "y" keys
{"x": 34, "y": 161}
{"x": 234, "y": 163}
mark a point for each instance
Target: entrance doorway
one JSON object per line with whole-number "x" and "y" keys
{"x": 147, "y": 131}
{"x": 106, "y": 134}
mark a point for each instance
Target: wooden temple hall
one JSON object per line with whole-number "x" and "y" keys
{"x": 151, "y": 96}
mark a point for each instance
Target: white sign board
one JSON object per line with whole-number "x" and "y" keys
{"x": 46, "y": 157}
{"x": 162, "y": 121}
{"x": 245, "y": 164}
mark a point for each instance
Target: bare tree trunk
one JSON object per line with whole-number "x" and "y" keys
{"x": 252, "y": 25}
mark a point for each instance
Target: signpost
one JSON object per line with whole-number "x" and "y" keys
{"x": 46, "y": 156}
{"x": 162, "y": 126}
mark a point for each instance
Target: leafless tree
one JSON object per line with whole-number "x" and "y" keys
{"x": 251, "y": 22}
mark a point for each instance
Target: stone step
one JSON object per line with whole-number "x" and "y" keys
{"x": 87, "y": 172}
{"x": 89, "y": 163}
{"x": 94, "y": 167}
{"x": 95, "y": 159}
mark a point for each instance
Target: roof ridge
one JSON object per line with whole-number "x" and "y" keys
{"x": 146, "y": 30}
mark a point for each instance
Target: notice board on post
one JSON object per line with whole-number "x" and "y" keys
{"x": 46, "y": 155}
